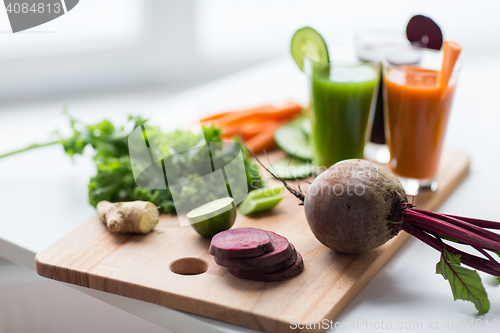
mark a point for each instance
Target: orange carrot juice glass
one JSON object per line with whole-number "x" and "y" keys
{"x": 416, "y": 110}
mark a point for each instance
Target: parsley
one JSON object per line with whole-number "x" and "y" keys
{"x": 114, "y": 180}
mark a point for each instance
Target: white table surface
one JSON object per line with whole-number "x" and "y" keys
{"x": 43, "y": 194}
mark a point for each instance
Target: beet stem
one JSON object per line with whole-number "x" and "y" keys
{"x": 461, "y": 223}
{"x": 487, "y": 255}
{"x": 450, "y": 230}
{"x": 478, "y": 222}
{"x": 466, "y": 258}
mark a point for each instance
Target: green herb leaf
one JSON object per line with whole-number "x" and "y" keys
{"x": 114, "y": 180}
{"x": 465, "y": 283}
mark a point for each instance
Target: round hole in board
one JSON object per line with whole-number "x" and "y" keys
{"x": 189, "y": 266}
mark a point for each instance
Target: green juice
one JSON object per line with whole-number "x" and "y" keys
{"x": 340, "y": 114}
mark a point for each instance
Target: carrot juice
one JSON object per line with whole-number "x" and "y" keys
{"x": 417, "y": 108}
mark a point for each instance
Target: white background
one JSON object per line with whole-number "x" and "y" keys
{"x": 103, "y": 46}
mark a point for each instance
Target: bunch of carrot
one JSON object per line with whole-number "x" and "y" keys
{"x": 256, "y": 125}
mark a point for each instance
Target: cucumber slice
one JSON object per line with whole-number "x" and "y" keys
{"x": 308, "y": 42}
{"x": 293, "y": 168}
{"x": 261, "y": 200}
{"x": 292, "y": 140}
{"x": 305, "y": 126}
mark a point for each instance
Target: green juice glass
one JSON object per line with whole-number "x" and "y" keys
{"x": 342, "y": 104}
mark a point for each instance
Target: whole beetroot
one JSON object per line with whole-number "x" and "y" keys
{"x": 354, "y": 206}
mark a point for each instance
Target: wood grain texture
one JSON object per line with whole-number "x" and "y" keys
{"x": 138, "y": 266}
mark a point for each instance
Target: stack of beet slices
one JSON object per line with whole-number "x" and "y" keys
{"x": 256, "y": 254}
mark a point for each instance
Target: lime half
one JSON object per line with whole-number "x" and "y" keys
{"x": 213, "y": 217}
{"x": 308, "y": 42}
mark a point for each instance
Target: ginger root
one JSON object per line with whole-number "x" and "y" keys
{"x": 135, "y": 216}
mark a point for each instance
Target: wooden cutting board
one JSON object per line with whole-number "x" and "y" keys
{"x": 140, "y": 266}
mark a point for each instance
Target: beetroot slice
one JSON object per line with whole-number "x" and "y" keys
{"x": 241, "y": 243}
{"x": 424, "y": 32}
{"x": 280, "y": 275}
{"x": 282, "y": 251}
{"x": 284, "y": 264}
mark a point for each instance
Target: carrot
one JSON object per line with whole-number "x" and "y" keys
{"x": 272, "y": 113}
{"x": 227, "y": 136}
{"x": 239, "y": 117}
{"x": 260, "y": 142}
{"x": 224, "y": 116}
{"x": 214, "y": 117}
{"x": 263, "y": 127}
{"x": 451, "y": 51}
{"x": 261, "y": 108}
{"x": 256, "y": 125}
{"x": 250, "y": 129}
{"x": 268, "y": 112}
